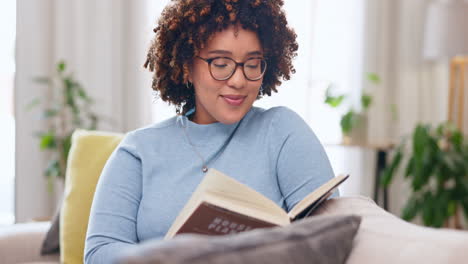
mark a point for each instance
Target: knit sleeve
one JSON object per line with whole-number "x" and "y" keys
{"x": 301, "y": 162}
{"x": 112, "y": 222}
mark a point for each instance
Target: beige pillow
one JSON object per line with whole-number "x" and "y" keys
{"x": 88, "y": 155}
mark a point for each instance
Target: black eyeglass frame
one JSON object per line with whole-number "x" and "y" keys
{"x": 210, "y": 60}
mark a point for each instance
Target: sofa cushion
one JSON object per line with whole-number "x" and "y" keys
{"x": 384, "y": 238}
{"x": 21, "y": 243}
{"x": 88, "y": 155}
{"x": 313, "y": 240}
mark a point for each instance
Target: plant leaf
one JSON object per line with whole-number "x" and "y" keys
{"x": 419, "y": 140}
{"x": 331, "y": 100}
{"x": 67, "y": 145}
{"x": 347, "y": 122}
{"x": 52, "y": 172}
{"x": 49, "y": 113}
{"x": 366, "y": 101}
{"x": 69, "y": 83}
{"x": 409, "y": 167}
{"x": 427, "y": 209}
{"x": 82, "y": 94}
{"x": 456, "y": 139}
{"x": 373, "y": 77}
{"x": 35, "y": 102}
{"x": 451, "y": 208}
{"x": 53, "y": 168}
{"x": 94, "y": 121}
{"x": 441, "y": 203}
{"x": 464, "y": 204}
{"x": 47, "y": 141}
{"x": 411, "y": 209}
{"x": 427, "y": 169}
{"x": 42, "y": 80}
{"x": 334, "y": 101}
{"x": 61, "y": 66}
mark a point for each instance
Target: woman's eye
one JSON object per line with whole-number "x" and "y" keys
{"x": 219, "y": 65}
{"x": 252, "y": 66}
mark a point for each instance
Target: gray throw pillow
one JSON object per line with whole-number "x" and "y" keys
{"x": 318, "y": 239}
{"x": 51, "y": 243}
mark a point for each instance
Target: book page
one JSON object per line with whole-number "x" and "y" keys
{"x": 220, "y": 184}
{"x": 235, "y": 195}
{"x": 247, "y": 208}
{"x": 316, "y": 195}
{"x": 239, "y": 208}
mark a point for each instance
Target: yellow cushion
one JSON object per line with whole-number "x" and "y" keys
{"x": 88, "y": 155}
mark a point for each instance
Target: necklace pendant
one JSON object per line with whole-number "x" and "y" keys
{"x": 204, "y": 169}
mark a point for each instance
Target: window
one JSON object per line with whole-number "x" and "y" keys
{"x": 7, "y": 133}
{"x": 330, "y": 37}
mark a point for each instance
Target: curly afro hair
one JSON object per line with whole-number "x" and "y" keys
{"x": 185, "y": 26}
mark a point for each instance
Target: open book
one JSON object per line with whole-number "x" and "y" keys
{"x": 221, "y": 205}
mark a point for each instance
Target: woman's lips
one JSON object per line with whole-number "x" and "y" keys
{"x": 234, "y": 100}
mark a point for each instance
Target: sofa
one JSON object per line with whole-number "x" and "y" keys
{"x": 381, "y": 238}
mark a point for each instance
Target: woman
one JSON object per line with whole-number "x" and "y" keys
{"x": 211, "y": 59}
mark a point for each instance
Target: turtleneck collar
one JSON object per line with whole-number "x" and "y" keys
{"x": 208, "y": 134}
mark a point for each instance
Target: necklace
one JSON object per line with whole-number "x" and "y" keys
{"x": 204, "y": 163}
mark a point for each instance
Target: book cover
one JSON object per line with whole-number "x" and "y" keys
{"x": 209, "y": 219}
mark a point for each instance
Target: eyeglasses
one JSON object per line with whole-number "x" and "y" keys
{"x": 222, "y": 68}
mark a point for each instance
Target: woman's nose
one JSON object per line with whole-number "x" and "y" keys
{"x": 238, "y": 79}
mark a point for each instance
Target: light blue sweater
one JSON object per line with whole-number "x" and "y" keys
{"x": 153, "y": 172}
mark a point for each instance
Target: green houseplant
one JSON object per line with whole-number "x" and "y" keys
{"x": 66, "y": 108}
{"x": 353, "y": 117}
{"x": 437, "y": 166}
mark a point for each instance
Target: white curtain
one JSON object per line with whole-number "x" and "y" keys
{"x": 104, "y": 44}
{"x": 418, "y": 88}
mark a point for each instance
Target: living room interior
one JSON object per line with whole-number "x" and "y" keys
{"x": 383, "y": 85}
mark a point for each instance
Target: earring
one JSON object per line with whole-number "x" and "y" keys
{"x": 178, "y": 108}
{"x": 189, "y": 85}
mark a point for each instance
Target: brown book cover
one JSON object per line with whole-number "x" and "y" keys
{"x": 209, "y": 219}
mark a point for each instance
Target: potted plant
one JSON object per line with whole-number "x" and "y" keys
{"x": 437, "y": 167}
{"x": 66, "y": 109}
{"x": 353, "y": 122}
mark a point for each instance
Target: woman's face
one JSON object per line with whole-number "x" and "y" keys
{"x": 229, "y": 100}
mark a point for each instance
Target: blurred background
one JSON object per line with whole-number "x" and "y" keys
{"x": 368, "y": 72}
